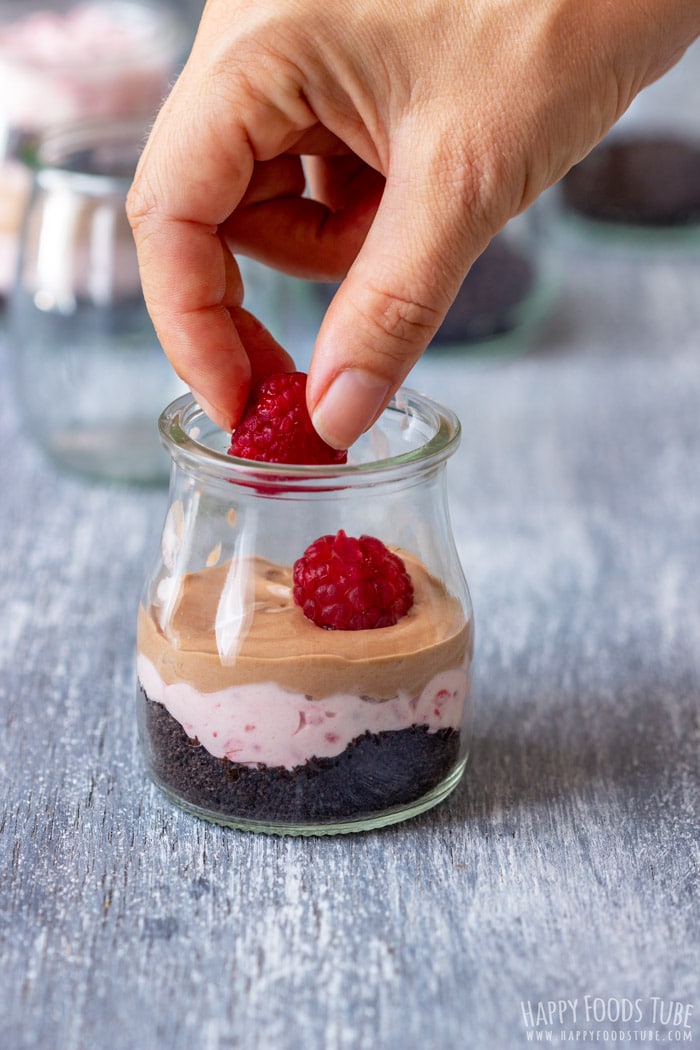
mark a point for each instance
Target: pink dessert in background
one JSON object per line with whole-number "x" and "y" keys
{"x": 68, "y": 62}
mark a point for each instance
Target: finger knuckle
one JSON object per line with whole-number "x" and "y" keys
{"x": 140, "y": 205}
{"x": 401, "y": 320}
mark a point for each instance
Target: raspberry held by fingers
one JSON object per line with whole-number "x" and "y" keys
{"x": 276, "y": 426}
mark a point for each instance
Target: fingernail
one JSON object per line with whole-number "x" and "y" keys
{"x": 214, "y": 414}
{"x": 349, "y": 406}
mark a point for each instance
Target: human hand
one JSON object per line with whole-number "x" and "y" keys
{"x": 424, "y": 127}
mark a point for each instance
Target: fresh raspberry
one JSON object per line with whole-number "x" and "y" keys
{"x": 349, "y": 584}
{"x": 276, "y": 426}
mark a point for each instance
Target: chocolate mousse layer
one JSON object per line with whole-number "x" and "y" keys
{"x": 236, "y": 623}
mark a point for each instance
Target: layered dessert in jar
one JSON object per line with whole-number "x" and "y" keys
{"x": 505, "y": 293}
{"x": 288, "y": 721}
{"x": 296, "y": 682}
{"x": 492, "y": 299}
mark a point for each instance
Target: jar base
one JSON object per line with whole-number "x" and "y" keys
{"x": 119, "y": 451}
{"x": 386, "y": 818}
{"x": 571, "y": 232}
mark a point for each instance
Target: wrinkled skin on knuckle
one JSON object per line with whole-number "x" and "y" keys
{"x": 400, "y": 321}
{"x": 141, "y": 201}
{"x": 247, "y": 77}
{"x": 142, "y": 215}
{"x": 541, "y": 106}
{"x": 476, "y": 181}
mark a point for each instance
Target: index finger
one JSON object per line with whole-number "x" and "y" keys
{"x": 193, "y": 172}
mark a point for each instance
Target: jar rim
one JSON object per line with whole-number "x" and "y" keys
{"x": 57, "y": 156}
{"x": 179, "y": 430}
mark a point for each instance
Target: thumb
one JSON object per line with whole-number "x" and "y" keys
{"x": 394, "y": 298}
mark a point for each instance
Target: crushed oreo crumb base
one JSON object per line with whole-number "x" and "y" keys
{"x": 376, "y": 772}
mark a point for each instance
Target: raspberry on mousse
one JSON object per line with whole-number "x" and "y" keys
{"x": 349, "y": 584}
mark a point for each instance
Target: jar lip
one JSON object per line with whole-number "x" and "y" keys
{"x": 89, "y": 153}
{"x": 183, "y": 416}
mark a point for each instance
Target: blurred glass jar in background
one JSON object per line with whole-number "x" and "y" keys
{"x": 91, "y": 375}
{"x": 503, "y": 300}
{"x": 505, "y": 296}
{"x": 639, "y": 189}
{"x": 62, "y": 61}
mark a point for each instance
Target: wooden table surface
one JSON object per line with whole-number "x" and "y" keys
{"x": 554, "y": 896}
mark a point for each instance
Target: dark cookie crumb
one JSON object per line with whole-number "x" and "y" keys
{"x": 637, "y": 181}
{"x": 490, "y": 300}
{"x": 374, "y": 773}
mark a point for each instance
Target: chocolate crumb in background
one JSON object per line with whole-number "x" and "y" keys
{"x": 375, "y": 772}
{"x": 646, "y": 181}
{"x": 489, "y": 302}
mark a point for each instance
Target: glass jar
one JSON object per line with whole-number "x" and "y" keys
{"x": 249, "y": 714}
{"x": 638, "y": 191}
{"x": 504, "y": 298}
{"x": 91, "y": 375}
{"x": 64, "y": 61}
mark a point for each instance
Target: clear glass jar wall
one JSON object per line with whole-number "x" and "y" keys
{"x": 639, "y": 190}
{"x": 503, "y": 300}
{"x": 252, "y": 716}
{"x": 90, "y": 373}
